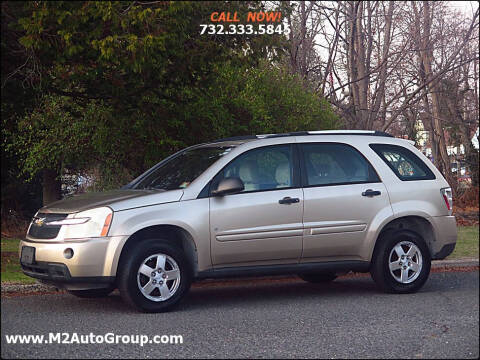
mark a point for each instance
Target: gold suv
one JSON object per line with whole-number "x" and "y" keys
{"x": 315, "y": 204}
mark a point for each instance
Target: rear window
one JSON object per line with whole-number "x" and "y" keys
{"x": 404, "y": 163}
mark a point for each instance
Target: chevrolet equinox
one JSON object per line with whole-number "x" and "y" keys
{"x": 317, "y": 204}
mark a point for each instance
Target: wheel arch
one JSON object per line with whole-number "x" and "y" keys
{"x": 417, "y": 224}
{"x": 172, "y": 233}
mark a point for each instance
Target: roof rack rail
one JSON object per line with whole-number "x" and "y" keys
{"x": 350, "y": 132}
{"x": 334, "y": 132}
{"x": 382, "y": 133}
{"x": 296, "y": 133}
{"x": 304, "y": 133}
{"x": 236, "y": 138}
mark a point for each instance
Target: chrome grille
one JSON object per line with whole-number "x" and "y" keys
{"x": 39, "y": 228}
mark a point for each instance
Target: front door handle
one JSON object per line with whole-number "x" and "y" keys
{"x": 371, "y": 192}
{"x": 288, "y": 200}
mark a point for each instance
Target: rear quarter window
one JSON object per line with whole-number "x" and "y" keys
{"x": 403, "y": 162}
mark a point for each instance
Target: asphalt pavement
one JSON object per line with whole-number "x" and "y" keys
{"x": 284, "y": 317}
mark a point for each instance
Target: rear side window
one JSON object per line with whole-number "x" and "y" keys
{"x": 404, "y": 163}
{"x": 335, "y": 164}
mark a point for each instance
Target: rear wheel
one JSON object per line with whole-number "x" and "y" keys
{"x": 401, "y": 262}
{"x": 318, "y": 278}
{"x": 155, "y": 277}
{"x": 92, "y": 293}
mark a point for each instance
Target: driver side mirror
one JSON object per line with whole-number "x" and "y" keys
{"x": 228, "y": 186}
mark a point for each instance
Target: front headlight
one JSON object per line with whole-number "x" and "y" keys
{"x": 90, "y": 223}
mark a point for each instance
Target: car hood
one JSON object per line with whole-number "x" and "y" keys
{"x": 116, "y": 199}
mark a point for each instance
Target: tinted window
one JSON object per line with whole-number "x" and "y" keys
{"x": 265, "y": 168}
{"x": 328, "y": 163}
{"x": 181, "y": 170}
{"x": 404, "y": 163}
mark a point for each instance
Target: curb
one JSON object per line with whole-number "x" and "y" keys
{"x": 446, "y": 264}
{"x": 41, "y": 288}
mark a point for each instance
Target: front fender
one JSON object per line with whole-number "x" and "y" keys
{"x": 192, "y": 216}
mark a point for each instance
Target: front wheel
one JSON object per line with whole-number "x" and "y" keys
{"x": 401, "y": 263}
{"x": 155, "y": 277}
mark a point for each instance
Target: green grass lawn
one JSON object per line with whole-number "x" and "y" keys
{"x": 467, "y": 247}
{"x": 467, "y": 243}
{"x": 9, "y": 244}
{"x": 11, "y": 271}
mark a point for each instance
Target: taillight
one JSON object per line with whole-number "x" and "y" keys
{"x": 447, "y": 197}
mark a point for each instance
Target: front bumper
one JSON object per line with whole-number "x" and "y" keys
{"x": 94, "y": 260}
{"x": 58, "y": 274}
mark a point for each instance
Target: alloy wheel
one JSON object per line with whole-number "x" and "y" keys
{"x": 158, "y": 277}
{"x": 405, "y": 262}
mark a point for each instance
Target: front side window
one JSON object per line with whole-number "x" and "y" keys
{"x": 181, "y": 170}
{"x": 260, "y": 169}
{"x": 335, "y": 164}
{"x": 404, "y": 163}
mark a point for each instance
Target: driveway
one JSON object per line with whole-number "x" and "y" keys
{"x": 283, "y": 317}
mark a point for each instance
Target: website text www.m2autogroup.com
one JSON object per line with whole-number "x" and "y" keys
{"x": 108, "y": 338}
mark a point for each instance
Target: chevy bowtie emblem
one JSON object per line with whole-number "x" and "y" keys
{"x": 39, "y": 221}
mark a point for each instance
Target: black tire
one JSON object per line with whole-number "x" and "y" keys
{"x": 380, "y": 269}
{"x": 127, "y": 275}
{"x": 318, "y": 278}
{"x": 92, "y": 293}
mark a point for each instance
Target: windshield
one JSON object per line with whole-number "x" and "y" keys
{"x": 180, "y": 171}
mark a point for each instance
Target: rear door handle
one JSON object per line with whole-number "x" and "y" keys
{"x": 288, "y": 200}
{"x": 371, "y": 192}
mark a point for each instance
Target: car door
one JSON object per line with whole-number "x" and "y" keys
{"x": 342, "y": 195}
{"x": 263, "y": 223}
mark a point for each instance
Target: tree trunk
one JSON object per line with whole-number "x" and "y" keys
{"x": 303, "y": 46}
{"x": 358, "y": 62}
{"x": 475, "y": 175}
{"x": 471, "y": 154}
{"x": 442, "y": 160}
{"x": 52, "y": 186}
{"x": 362, "y": 71}
{"x": 382, "y": 77}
